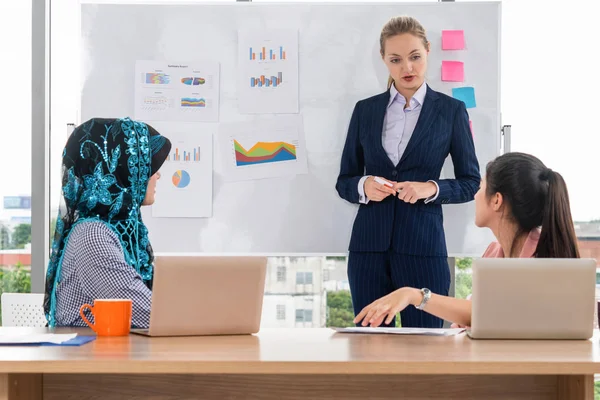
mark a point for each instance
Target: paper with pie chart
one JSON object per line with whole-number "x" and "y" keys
{"x": 263, "y": 149}
{"x": 184, "y": 189}
{"x": 177, "y": 92}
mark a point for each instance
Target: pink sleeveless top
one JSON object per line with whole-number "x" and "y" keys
{"x": 494, "y": 250}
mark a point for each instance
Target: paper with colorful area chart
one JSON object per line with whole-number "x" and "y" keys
{"x": 185, "y": 187}
{"x": 177, "y": 92}
{"x": 263, "y": 149}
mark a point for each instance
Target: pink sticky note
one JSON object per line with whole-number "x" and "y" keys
{"x": 471, "y": 126}
{"x": 453, "y": 40}
{"x": 453, "y": 71}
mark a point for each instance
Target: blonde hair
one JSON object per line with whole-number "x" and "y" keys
{"x": 397, "y": 26}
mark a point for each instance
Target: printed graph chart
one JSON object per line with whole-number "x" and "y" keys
{"x": 157, "y": 78}
{"x": 264, "y": 153}
{"x": 262, "y": 149}
{"x": 185, "y": 188}
{"x": 193, "y": 81}
{"x": 181, "y": 179}
{"x": 265, "y": 55}
{"x": 177, "y": 92}
{"x": 155, "y": 103}
{"x": 263, "y": 81}
{"x": 185, "y": 155}
{"x": 193, "y": 102}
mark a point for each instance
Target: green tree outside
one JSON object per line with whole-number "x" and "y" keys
{"x": 464, "y": 263}
{"x": 21, "y": 236}
{"x": 5, "y": 238}
{"x": 15, "y": 280}
{"x": 463, "y": 279}
{"x": 464, "y": 284}
{"x": 340, "y": 313}
{"x": 52, "y": 227}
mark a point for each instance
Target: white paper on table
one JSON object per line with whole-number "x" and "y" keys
{"x": 403, "y": 331}
{"x": 55, "y": 338}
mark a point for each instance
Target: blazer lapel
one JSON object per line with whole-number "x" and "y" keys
{"x": 428, "y": 114}
{"x": 378, "y": 116}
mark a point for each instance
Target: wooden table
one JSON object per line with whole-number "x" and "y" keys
{"x": 301, "y": 364}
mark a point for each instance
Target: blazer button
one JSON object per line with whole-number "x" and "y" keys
{"x": 394, "y": 173}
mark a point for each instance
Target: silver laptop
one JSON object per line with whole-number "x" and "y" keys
{"x": 533, "y": 298}
{"x": 198, "y": 295}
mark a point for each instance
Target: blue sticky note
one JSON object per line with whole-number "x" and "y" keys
{"x": 466, "y": 95}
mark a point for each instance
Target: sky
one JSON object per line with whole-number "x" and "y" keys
{"x": 549, "y": 90}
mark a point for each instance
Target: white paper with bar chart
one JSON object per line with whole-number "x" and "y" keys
{"x": 268, "y": 71}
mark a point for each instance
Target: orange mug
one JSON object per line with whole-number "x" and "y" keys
{"x": 112, "y": 317}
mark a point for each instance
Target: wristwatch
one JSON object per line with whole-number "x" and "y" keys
{"x": 426, "y": 296}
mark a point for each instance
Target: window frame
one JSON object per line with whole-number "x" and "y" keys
{"x": 40, "y": 142}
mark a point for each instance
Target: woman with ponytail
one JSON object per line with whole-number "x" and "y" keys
{"x": 396, "y": 146}
{"x": 526, "y": 205}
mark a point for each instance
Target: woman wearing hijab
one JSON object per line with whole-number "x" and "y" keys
{"x": 101, "y": 247}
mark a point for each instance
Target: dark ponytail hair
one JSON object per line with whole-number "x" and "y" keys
{"x": 536, "y": 197}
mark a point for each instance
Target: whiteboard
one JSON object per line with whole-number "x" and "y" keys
{"x": 339, "y": 64}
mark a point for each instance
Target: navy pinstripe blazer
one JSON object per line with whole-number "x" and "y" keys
{"x": 415, "y": 229}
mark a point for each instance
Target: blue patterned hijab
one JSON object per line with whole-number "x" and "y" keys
{"x": 107, "y": 164}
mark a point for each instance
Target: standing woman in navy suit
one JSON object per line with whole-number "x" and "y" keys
{"x": 403, "y": 136}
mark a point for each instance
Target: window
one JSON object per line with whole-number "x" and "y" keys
{"x": 531, "y": 125}
{"x": 308, "y": 316}
{"x": 308, "y": 278}
{"x": 281, "y": 274}
{"x": 303, "y": 315}
{"x": 304, "y": 278}
{"x": 15, "y": 148}
{"x": 280, "y": 312}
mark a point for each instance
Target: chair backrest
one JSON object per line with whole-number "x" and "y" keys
{"x": 23, "y": 309}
